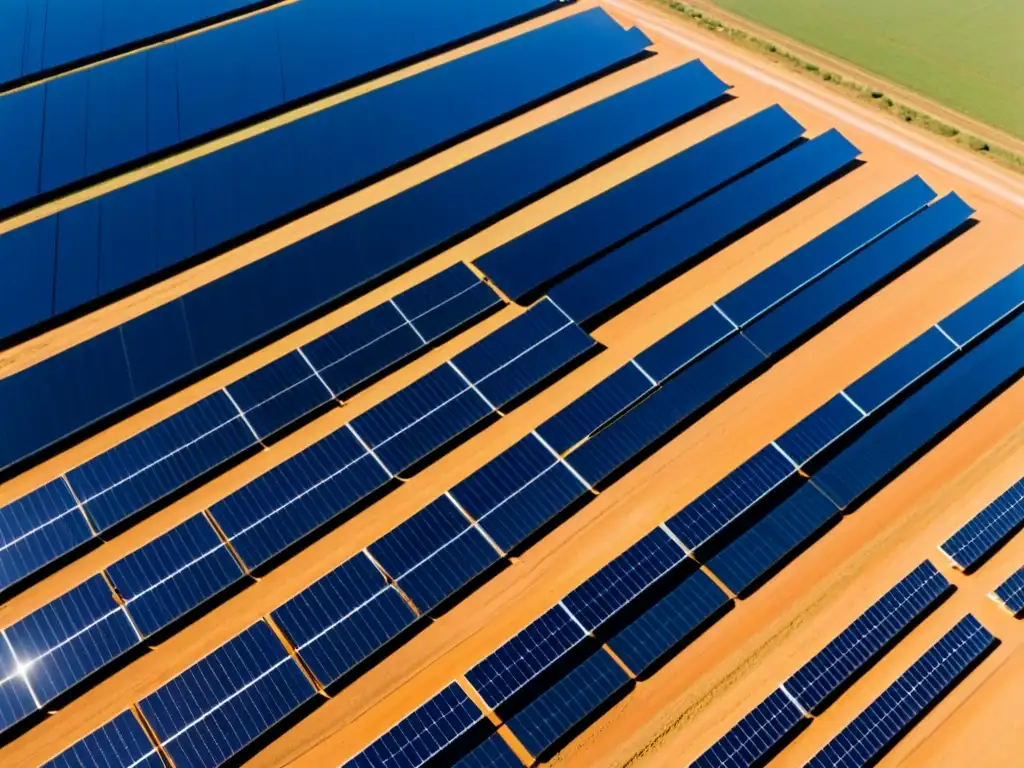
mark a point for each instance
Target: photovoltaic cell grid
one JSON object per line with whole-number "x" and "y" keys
{"x": 121, "y": 742}
{"x": 983, "y": 533}
{"x": 754, "y": 737}
{"x": 917, "y": 690}
{"x": 494, "y": 752}
{"x": 1011, "y": 593}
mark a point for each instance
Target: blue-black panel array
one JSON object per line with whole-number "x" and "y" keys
{"x": 685, "y": 236}
{"x": 120, "y": 112}
{"x": 518, "y": 492}
{"x": 993, "y": 306}
{"x": 988, "y": 529}
{"x": 225, "y": 701}
{"x": 343, "y": 618}
{"x": 1011, "y": 592}
{"x": 916, "y": 691}
{"x": 755, "y": 736}
{"x": 173, "y": 574}
{"x": 857, "y": 646}
{"x": 120, "y": 742}
{"x": 79, "y": 32}
{"x": 494, "y": 752}
{"x": 16, "y": 698}
{"x": 813, "y": 434}
{"x": 543, "y": 722}
{"x": 525, "y": 264}
{"x": 424, "y": 733}
{"x": 37, "y": 529}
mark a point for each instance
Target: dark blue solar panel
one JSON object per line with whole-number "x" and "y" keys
{"x": 418, "y": 537}
{"x": 819, "y": 430}
{"x": 987, "y": 529}
{"x": 522, "y": 353}
{"x": 916, "y": 691}
{"x": 417, "y": 420}
{"x": 134, "y": 474}
{"x": 900, "y": 370}
{"x": 617, "y": 584}
{"x": 493, "y": 753}
{"x": 772, "y": 539}
{"x": 572, "y": 700}
{"x": 1011, "y": 592}
{"x": 749, "y": 741}
{"x": 915, "y": 423}
{"x": 279, "y": 393}
{"x": 988, "y": 308}
{"x": 523, "y": 658}
{"x": 856, "y": 647}
{"x": 707, "y": 515}
{"x": 281, "y": 506}
{"x": 668, "y": 622}
{"x": 682, "y": 238}
{"x": 125, "y": 110}
{"x": 823, "y": 252}
{"x": 679, "y": 399}
{"x": 226, "y": 700}
{"x": 173, "y": 574}
{"x": 423, "y": 734}
{"x": 16, "y": 700}
{"x": 448, "y": 570}
{"x": 37, "y": 529}
{"x": 789, "y": 321}
{"x": 595, "y": 407}
{"x": 523, "y": 265}
{"x": 446, "y": 301}
{"x": 685, "y": 344}
{"x": 344, "y": 617}
{"x": 121, "y": 742}
{"x": 71, "y": 637}
{"x": 518, "y": 492}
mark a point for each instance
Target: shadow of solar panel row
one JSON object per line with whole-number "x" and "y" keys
{"x": 774, "y": 721}
{"x": 131, "y": 477}
{"x": 103, "y": 376}
{"x": 493, "y": 752}
{"x": 652, "y": 367}
{"x": 916, "y": 691}
{"x": 987, "y": 530}
{"x": 66, "y": 132}
{"x": 40, "y": 37}
{"x": 120, "y": 742}
{"x": 766, "y": 339}
{"x": 1011, "y": 593}
{"x": 424, "y": 733}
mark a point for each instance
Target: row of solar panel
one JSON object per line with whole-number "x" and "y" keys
{"x": 983, "y": 534}
{"x": 236, "y": 311}
{"x": 1011, "y": 593}
{"x": 122, "y": 112}
{"x": 41, "y": 37}
{"x": 641, "y": 639}
{"x": 125, "y": 481}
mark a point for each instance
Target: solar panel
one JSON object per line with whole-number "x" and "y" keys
{"x": 226, "y": 700}
{"x": 498, "y": 677}
{"x": 575, "y": 698}
{"x": 697, "y": 229}
{"x": 518, "y": 492}
{"x": 980, "y": 536}
{"x": 411, "y": 542}
{"x": 423, "y": 734}
{"x": 696, "y": 336}
{"x": 820, "y": 429}
{"x": 863, "y": 641}
{"x": 914, "y": 424}
{"x": 276, "y": 509}
{"x": 492, "y": 753}
{"x": 37, "y": 529}
{"x": 149, "y": 466}
{"x": 17, "y": 701}
{"x": 668, "y": 622}
{"x": 732, "y": 496}
{"x": 916, "y": 691}
{"x": 343, "y": 618}
{"x": 987, "y": 309}
{"x": 173, "y": 574}
{"x": 1011, "y": 592}
{"x": 63, "y": 642}
{"x": 120, "y": 742}
{"x": 525, "y": 264}
{"x": 754, "y": 737}
{"x": 623, "y": 579}
{"x": 187, "y": 90}
{"x": 810, "y": 261}
{"x": 786, "y": 323}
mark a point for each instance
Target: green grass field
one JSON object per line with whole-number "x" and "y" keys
{"x": 966, "y": 54}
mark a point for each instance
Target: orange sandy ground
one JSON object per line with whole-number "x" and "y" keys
{"x": 689, "y": 703}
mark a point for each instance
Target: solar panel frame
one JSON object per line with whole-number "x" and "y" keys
{"x": 984, "y": 533}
